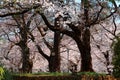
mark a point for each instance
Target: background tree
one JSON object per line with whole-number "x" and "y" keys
{"x": 23, "y": 42}
{"x": 81, "y": 33}
{"x": 76, "y": 23}
{"x": 54, "y": 58}
{"x": 21, "y": 32}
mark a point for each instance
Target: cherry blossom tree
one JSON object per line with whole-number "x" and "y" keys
{"x": 77, "y": 25}
{"x": 75, "y": 20}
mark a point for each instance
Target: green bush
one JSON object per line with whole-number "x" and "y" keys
{"x": 116, "y": 58}
{"x": 1, "y": 73}
{"x": 5, "y": 74}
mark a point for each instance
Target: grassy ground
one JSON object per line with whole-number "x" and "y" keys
{"x": 59, "y": 74}
{"x": 63, "y": 76}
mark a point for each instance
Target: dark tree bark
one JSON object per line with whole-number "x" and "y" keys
{"x": 54, "y": 61}
{"x": 82, "y": 38}
{"x": 54, "y": 58}
{"x": 27, "y": 64}
{"x": 85, "y": 51}
{"x": 86, "y": 60}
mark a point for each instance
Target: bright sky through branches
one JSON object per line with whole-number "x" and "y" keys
{"x": 77, "y": 0}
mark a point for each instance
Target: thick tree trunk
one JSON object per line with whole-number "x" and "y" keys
{"x": 85, "y": 50}
{"x": 84, "y": 46}
{"x": 54, "y": 61}
{"x": 54, "y": 64}
{"x": 54, "y": 58}
{"x": 27, "y": 64}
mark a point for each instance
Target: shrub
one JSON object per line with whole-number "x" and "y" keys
{"x": 5, "y": 74}
{"x": 116, "y": 58}
{"x": 1, "y": 73}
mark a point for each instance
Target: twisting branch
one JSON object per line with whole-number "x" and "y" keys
{"x": 114, "y": 25}
{"x": 74, "y": 28}
{"x": 97, "y": 19}
{"x": 24, "y": 22}
{"x": 48, "y": 44}
{"x": 61, "y": 30}
{"x": 46, "y": 21}
{"x": 7, "y": 36}
{"x": 41, "y": 30}
{"x": 109, "y": 31}
{"x": 24, "y": 10}
{"x": 18, "y": 22}
{"x": 30, "y": 19}
{"x": 41, "y": 52}
{"x": 9, "y": 49}
{"x": 39, "y": 48}
{"x": 98, "y": 14}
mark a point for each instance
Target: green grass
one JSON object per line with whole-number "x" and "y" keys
{"x": 58, "y": 74}
{"x": 42, "y": 74}
{"x": 91, "y": 74}
{"x": 52, "y": 74}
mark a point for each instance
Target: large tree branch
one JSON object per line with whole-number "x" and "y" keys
{"x": 39, "y": 49}
{"x": 42, "y": 53}
{"x": 48, "y": 44}
{"x": 74, "y": 28}
{"x": 46, "y": 21}
{"x": 51, "y": 27}
{"x": 30, "y": 19}
{"x": 16, "y": 20}
{"x": 42, "y": 32}
{"x": 25, "y": 10}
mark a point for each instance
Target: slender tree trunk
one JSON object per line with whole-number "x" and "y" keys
{"x": 54, "y": 62}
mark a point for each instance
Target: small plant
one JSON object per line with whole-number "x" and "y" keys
{"x": 1, "y": 73}
{"x": 5, "y": 74}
